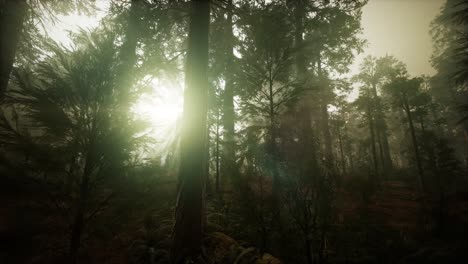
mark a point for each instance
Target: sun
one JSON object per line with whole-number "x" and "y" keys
{"x": 162, "y": 108}
{"x": 158, "y": 111}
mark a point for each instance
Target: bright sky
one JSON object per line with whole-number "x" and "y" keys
{"x": 59, "y": 31}
{"x": 400, "y": 28}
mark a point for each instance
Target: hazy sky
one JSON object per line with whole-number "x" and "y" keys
{"x": 400, "y": 28}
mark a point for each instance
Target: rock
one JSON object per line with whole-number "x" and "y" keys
{"x": 267, "y": 259}
{"x": 247, "y": 256}
{"x": 220, "y": 248}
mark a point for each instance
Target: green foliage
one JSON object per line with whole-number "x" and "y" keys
{"x": 78, "y": 134}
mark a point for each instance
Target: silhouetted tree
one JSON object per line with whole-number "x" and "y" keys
{"x": 188, "y": 229}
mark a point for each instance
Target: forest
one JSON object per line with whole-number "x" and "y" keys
{"x": 228, "y": 131}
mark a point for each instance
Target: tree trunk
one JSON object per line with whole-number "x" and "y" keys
{"x": 300, "y": 59}
{"x": 386, "y": 150}
{"x": 349, "y": 153}
{"x": 415, "y": 144}
{"x": 325, "y": 122}
{"x": 326, "y": 135}
{"x": 207, "y": 160}
{"x": 310, "y": 165}
{"x": 322, "y": 245}
{"x": 308, "y": 249}
{"x": 381, "y": 150}
{"x": 441, "y": 206}
{"x": 217, "y": 154}
{"x": 272, "y": 146}
{"x": 421, "y": 123}
{"x": 79, "y": 221}
{"x": 342, "y": 155}
{"x": 372, "y": 138}
{"x": 188, "y": 229}
{"x": 381, "y": 133}
{"x": 12, "y": 14}
{"x": 128, "y": 55}
{"x": 229, "y": 168}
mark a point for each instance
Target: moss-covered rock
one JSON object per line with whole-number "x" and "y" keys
{"x": 268, "y": 259}
{"x": 220, "y": 248}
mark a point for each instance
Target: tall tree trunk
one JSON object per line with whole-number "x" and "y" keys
{"x": 372, "y": 138}
{"x": 12, "y": 15}
{"x": 325, "y": 122}
{"x": 423, "y": 127}
{"x": 350, "y": 155}
{"x": 78, "y": 222}
{"x": 128, "y": 54}
{"x": 308, "y": 250}
{"x": 322, "y": 245}
{"x": 381, "y": 132}
{"x": 188, "y": 229}
{"x": 207, "y": 160}
{"x": 381, "y": 150}
{"x": 217, "y": 154}
{"x": 229, "y": 168}
{"x": 273, "y": 148}
{"x": 299, "y": 23}
{"x": 79, "y": 217}
{"x": 310, "y": 165}
{"x": 440, "y": 209}
{"x": 415, "y": 144}
{"x": 386, "y": 149}
{"x": 342, "y": 155}
{"x": 326, "y": 132}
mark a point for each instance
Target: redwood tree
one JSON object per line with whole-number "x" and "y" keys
{"x": 188, "y": 229}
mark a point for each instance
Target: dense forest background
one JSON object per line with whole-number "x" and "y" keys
{"x": 280, "y": 154}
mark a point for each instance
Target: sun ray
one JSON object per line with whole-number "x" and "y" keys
{"x": 162, "y": 109}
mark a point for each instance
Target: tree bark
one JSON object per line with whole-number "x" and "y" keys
{"x": 188, "y": 229}
{"x": 372, "y": 138}
{"x": 310, "y": 165}
{"x": 386, "y": 149}
{"x": 79, "y": 220}
{"x": 217, "y": 155}
{"x": 299, "y": 23}
{"x": 229, "y": 168}
{"x": 273, "y": 148}
{"x": 327, "y": 140}
{"x": 381, "y": 133}
{"x": 349, "y": 152}
{"x": 381, "y": 150}
{"x": 12, "y": 15}
{"x": 327, "y": 136}
{"x": 308, "y": 250}
{"x": 415, "y": 144}
{"x": 342, "y": 155}
{"x": 128, "y": 55}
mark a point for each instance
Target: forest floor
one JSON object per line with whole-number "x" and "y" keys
{"x": 399, "y": 226}
{"x": 393, "y": 225}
